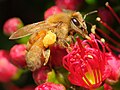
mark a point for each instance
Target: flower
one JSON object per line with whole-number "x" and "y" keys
{"x": 11, "y": 25}
{"x": 17, "y": 54}
{"x": 52, "y": 10}
{"x": 4, "y": 53}
{"x": 114, "y": 64}
{"x": 69, "y": 4}
{"x": 111, "y": 35}
{"x": 41, "y": 75}
{"x": 107, "y": 87}
{"x": 87, "y": 63}
{"x": 7, "y": 70}
{"x": 50, "y": 86}
{"x": 56, "y": 55}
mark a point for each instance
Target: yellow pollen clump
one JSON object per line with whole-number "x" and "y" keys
{"x": 49, "y": 39}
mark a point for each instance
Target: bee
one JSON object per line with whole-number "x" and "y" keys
{"x": 56, "y": 29}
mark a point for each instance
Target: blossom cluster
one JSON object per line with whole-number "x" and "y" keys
{"x": 89, "y": 64}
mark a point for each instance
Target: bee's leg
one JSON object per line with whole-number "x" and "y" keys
{"x": 34, "y": 57}
{"x": 62, "y": 43}
{"x": 46, "y": 55}
{"x": 70, "y": 39}
{"x": 65, "y": 44}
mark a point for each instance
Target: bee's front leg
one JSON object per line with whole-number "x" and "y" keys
{"x": 70, "y": 39}
{"x": 65, "y": 42}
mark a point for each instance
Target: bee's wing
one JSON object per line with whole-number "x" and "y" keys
{"x": 29, "y": 29}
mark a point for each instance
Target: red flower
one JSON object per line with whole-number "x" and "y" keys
{"x": 52, "y": 10}
{"x": 7, "y": 70}
{"x": 114, "y": 63}
{"x": 11, "y": 25}
{"x": 107, "y": 87}
{"x": 107, "y": 17}
{"x": 56, "y": 55}
{"x": 87, "y": 63}
{"x": 41, "y": 75}
{"x": 69, "y": 4}
{"x": 4, "y": 53}
{"x": 17, "y": 54}
{"x": 50, "y": 86}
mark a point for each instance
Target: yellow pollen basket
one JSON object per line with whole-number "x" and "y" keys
{"x": 49, "y": 39}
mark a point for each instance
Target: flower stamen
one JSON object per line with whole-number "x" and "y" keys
{"x": 108, "y": 27}
{"x": 115, "y": 15}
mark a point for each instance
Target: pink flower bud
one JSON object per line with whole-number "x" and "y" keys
{"x": 7, "y": 70}
{"x": 17, "y": 54}
{"x": 41, "y": 75}
{"x": 50, "y": 86}
{"x": 11, "y": 25}
{"x": 52, "y": 10}
{"x": 68, "y": 4}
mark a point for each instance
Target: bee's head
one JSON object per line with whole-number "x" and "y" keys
{"x": 78, "y": 24}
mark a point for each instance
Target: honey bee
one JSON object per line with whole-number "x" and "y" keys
{"x": 56, "y": 29}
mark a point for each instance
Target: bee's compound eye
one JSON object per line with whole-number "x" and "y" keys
{"x": 75, "y": 21}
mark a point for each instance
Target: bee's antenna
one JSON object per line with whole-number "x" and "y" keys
{"x": 95, "y": 11}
